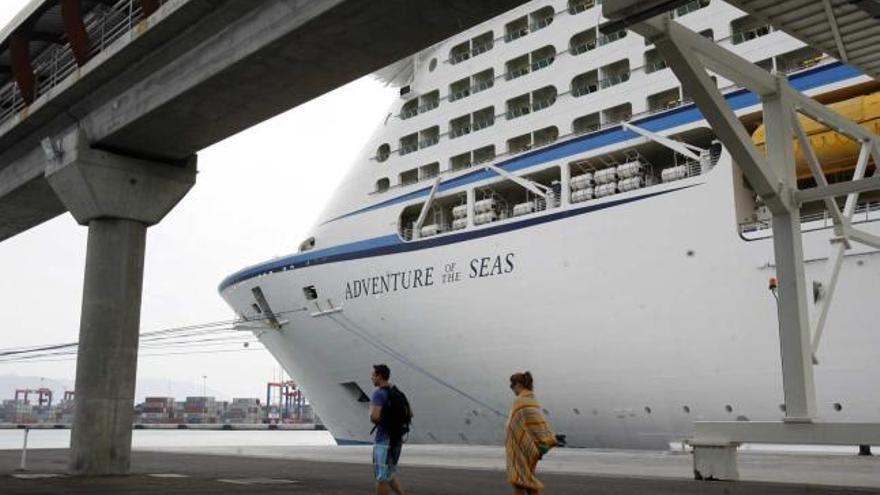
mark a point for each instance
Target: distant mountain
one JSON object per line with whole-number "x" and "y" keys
{"x": 146, "y": 387}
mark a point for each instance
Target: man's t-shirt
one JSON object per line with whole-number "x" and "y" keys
{"x": 380, "y": 398}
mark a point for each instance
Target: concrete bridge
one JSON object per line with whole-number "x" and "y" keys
{"x": 104, "y": 105}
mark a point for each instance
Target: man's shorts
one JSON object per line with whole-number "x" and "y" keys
{"x": 385, "y": 459}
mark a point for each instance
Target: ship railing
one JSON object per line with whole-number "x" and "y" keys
{"x": 541, "y": 24}
{"x": 431, "y": 141}
{"x": 583, "y": 47}
{"x": 518, "y": 112}
{"x": 542, "y": 104}
{"x": 429, "y": 106}
{"x": 482, "y": 48}
{"x": 577, "y": 8}
{"x": 750, "y": 34}
{"x": 408, "y": 148}
{"x": 514, "y": 73}
{"x": 519, "y": 33}
{"x": 614, "y": 80}
{"x": 655, "y": 66}
{"x": 482, "y": 86}
{"x": 54, "y": 64}
{"x": 464, "y": 93}
{"x": 542, "y": 63}
{"x": 584, "y": 89}
{"x": 864, "y": 212}
{"x": 611, "y": 37}
{"x": 482, "y": 124}
{"x": 459, "y": 57}
{"x": 409, "y": 113}
{"x": 459, "y": 131}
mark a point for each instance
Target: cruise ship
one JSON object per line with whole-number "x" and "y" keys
{"x": 518, "y": 209}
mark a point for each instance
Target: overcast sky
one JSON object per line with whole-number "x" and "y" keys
{"x": 256, "y": 196}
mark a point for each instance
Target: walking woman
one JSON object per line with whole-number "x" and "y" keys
{"x": 528, "y": 437}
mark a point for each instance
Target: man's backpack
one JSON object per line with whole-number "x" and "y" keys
{"x": 396, "y": 416}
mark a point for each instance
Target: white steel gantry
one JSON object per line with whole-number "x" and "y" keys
{"x": 773, "y": 177}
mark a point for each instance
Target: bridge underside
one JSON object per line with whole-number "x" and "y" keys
{"x": 209, "y": 69}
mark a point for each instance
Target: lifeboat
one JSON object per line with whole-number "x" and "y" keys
{"x": 836, "y": 152}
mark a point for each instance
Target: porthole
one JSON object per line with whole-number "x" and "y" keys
{"x": 648, "y": 409}
{"x": 432, "y": 65}
{"x": 782, "y": 407}
{"x": 728, "y": 408}
{"x": 576, "y": 411}
{"x": 383, "y": 152}
{"x": 686, "y": 409}
{"x": 838, "y": 406}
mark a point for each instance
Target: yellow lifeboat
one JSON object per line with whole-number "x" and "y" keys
{"x": 836, "y": 152}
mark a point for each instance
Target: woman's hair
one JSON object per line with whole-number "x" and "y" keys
{"x": 524, "y": 379}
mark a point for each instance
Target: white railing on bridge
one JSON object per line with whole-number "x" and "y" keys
{"x": 104, "y": 25}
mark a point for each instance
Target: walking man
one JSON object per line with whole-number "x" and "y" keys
{"x": 391, "y": 415}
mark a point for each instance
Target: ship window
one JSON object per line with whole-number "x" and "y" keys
{"x": 583, "y": 42}
{"x": 801, "y": 58}
{"x": 307, "y": 245}
{"x": 460, "y": 126}
{"x": 541, "y": 18}
{"x": 586, "y": 123}
{"x": 429, "y": 137}
{"x": 383, "y": 184}
{"x": 543, "y": 98}
{"x": 409, "y": 109}
{"x": 429, "y": 101}
{"x": 483, "y": 80}
{"x": 543, "y": 57}
{"x": 484, "y": 154}
{"x": 708, "y": 34}
{"x": 409, "y": 143}
{"x": 429, "y": 171}
{"x": 483, "y": 118}
{"x": 518, "y": 106}
{"x": 664, "y": 100}
{"x": 383, "y": 152}
{"x": 654, "y": 61}
{"x": 356, "y": 392}
{"x": 409, "y": 177}
{"x": 611, "y": 37}
{"x": 616, "y": 114}
{"x": 460, "y": 52}
{"x": 460, "y": 89}
{"x": 545, "y": 136}
{"x": 748, "y": 28}
{"x": 482, "y": 43}
{"x": 614, "y": 74}
{"x": 578, "y": 6}
{"x": 256, "y": 308}
{"x": 585, "y": 83}
{"x": 519, "y": 144}
{"x": 516, "y": 29}
{"x": 517, "y": 67}
{"x": 690, "y": 7}
{"x": 432, "y": 65}
{"x": 460, "y": 162}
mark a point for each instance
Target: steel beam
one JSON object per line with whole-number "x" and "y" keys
{"x": 724, "y": 122}
{"x": 838, "y": 189}
{"x": 75, "y": 29}
{"x": 22, "y": 70}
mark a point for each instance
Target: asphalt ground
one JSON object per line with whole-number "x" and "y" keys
{"x": 168, "y": 472}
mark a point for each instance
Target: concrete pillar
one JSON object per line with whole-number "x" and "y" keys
{"x": 117, "y": 197}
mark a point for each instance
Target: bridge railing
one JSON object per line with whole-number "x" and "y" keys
{"x": 104, "y": 24}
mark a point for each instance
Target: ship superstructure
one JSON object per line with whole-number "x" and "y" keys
{"x": 519, "y": 208}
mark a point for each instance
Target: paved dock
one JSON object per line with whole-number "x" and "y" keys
{"x": 438, "y": 470}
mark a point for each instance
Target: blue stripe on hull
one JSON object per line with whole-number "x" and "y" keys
{"x": 392, "y": 244}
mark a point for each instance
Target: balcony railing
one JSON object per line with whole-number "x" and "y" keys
{"x": 584, "y": 89}
{"x": 519, "y": 33}
{"x": 583, "y": 47}
{"x": 750, "y": 34}
{"x": 614, "y": 80}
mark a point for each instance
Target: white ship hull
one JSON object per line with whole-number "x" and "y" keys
{"x": 637, "y": 313}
